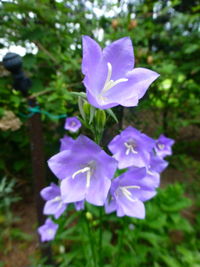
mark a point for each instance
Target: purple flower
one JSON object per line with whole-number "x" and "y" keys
{"x": 131, "y": 148}
{"x": 85, "y": 171}
{"x": 66, "y": 143}
{"x": 79, "y": 205}
{"x": 163, "y": 146}
{"x": 110, "y": 79}
{"x": 54, "y": 204}
{"x": 128, "y": 192}
{"x": 48, "y": 230}
{"x": 72, "y": 124}
{"x": 155, "y": 167}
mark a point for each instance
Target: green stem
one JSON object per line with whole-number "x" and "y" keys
{"x": 91, "y": 240}
{"x": 100, "y": 235}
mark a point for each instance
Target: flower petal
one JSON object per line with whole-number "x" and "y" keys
{"x": 110, "y": 206}
{"x": 120, "y": 55}
{"x": 50, "y": 192}
{"x": 98, "y": 190}
{"x": 133, "y": 209}
{"x": 66, "y": 143}
{"x": 95, "y": 101}
{"x": 73, "y": 190}
{"x": 91, "y": 55}
{"x": 55, "y": 208}
{"x": 127, "y": 94}
{"x": 59, "y": 164}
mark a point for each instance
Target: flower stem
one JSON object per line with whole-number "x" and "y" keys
{"x": 100, "y": 235}
{"x": 91, "y": 241}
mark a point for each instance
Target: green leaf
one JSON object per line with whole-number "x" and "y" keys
{"x": 112, "y": 114}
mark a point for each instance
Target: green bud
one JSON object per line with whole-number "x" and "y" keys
{"x": 89, "y": 216}
{"x": 100, "y": 119}
{"x": 86, "y": 109}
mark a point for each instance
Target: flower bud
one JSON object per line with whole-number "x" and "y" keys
{"x": 86, "y": 109}
{"x": 89, "y": 216}
{"x": 100, "y": 119}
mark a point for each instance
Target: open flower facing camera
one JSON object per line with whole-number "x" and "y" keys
{"x": 110, "y": 76}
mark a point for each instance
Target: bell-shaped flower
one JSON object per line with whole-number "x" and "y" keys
{"x": 128, "y": 192}
{"x": 110, "y": 76}
{"x": 72, "y": 124}
{"x": 85, "y": 170}
{"x": 131, "y": 148}
{"x": 54, "y": 204}
{"x": 163, "y": 146}
{"x": 48, "y": 230}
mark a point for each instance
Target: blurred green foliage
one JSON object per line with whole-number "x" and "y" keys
{"x": 167, "y": 237}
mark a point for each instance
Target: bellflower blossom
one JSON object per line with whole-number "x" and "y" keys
{"x": 128, "y": 192}
{"x": 72, "y": 124}
{"x": 110, "y": 79}
{"x": 131, "y": 148}
{"x": 163, "y": 146}
{"x": 48, "y": 230}
{"x": 155, "y": 167}
{"x": 85, "y": 170}
{"x": 54, "y": 204}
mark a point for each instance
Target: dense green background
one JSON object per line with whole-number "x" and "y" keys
{"x": 165, "y": 36}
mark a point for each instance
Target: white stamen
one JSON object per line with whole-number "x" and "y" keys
{"x": 86, "y": 169}
{"x": 133, "y": 187}
{"x": 127, "y": 193}
{"x": 88, "y": 175}
{"x": 130, "y": 148}
{"x": 110, "y": 83}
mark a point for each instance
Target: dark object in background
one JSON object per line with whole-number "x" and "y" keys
{"x": 13, "y": 63}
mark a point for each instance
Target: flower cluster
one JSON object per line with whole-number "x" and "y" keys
{"x": 85, "y": 172}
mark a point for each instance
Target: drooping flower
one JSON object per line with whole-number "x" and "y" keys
{"x": 48, "y": 230}
{"x": 128, "y": 192}
{"x": 131, "y": 148}
{"x": 79, "y": 205}
{"x": 110, "y": 79}
{"x": 54, "y": 204}
{"x": 163, "y": 146}
{"x": 85, "y": 171}
{"x": 72, "y": 124}
{"x": 66, "y": 143}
